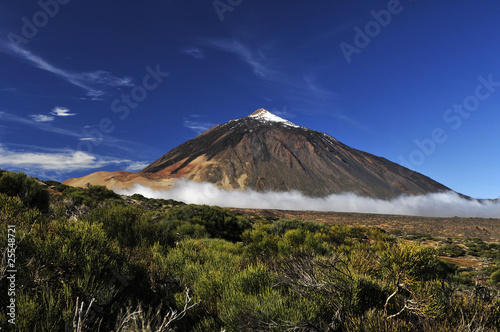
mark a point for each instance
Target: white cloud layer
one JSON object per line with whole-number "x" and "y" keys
{"x": 447, "y": 204}
{"x": 60, "y": 161}
{"x": 61, "y": 111}
{"x": 68, "y": 161}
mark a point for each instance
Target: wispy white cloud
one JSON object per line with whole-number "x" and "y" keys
{"x": 195, "y": 52}
{"x": 256, "y": 60}
{"x": 298, "y": 85}
{"x": 104, "y": 77}
{"x": 137, "y": 166}
{"x": 41, "y": 125}
{"x": 9, "y": 90}
{"x": 61, "y": 111}
{"x": 283, "y": 113}
{"x": 446, "y": 204}
{"x": 197, "y": 124}
{"x": 108, "y": 141}
{"x": 42, "y": 118}
{"x": 85, "y": 80}
{"x": 62, "y": 161}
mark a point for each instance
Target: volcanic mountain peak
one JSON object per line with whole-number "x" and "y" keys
{"x": 265, "y": 115}
{"x": 264, "y": 152}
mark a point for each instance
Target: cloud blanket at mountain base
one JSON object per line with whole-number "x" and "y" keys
{"x": 445, "y": 204}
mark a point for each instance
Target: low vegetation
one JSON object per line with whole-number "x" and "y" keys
{"x": 90, "y": 260}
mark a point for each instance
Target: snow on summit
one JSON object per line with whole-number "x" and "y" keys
{"x": 265, "y": 115}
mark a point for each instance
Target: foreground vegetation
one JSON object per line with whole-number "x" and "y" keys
{"x": 89, "y": 260}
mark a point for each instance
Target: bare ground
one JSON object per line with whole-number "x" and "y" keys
{"x": 486, "y": 229}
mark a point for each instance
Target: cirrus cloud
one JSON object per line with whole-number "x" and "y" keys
{"x": 92, "y": 82}
{"x": 42, "y": 118}
{"x": 61, "y": 111}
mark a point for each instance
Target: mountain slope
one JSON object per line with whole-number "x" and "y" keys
{"x": 264, "y": 152}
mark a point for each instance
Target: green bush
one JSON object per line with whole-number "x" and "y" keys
{"x": 57, "y": 185}
{"x": 284, "y": 225}
{"x": 253, "y": 280}
{"x": 157, "y": 201}
{"x": 374, "y": 321}
{"x": 367, "y": 295}
{"x": 410, "y": 262}
{"x": 495, "y": 278}
{"x": 60, "y": 262}
{"x": 259, "y": 243}
{"x": 119, "y": 222}
{"x": 286, "y": 275}
{"x": 31, "y": 192}
{"x": 219, "y": 223}
{"x": 92, "y": 196}
{"x": 300, "y": 239}
{"x": 451, "y": 250}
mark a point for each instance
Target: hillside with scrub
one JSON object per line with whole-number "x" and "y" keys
{"x": 87, "y": 259}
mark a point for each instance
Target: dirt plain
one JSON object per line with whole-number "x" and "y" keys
{"x": 486, "y": 229}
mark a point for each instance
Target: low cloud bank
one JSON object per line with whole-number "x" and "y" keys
{"x": 447, "y": 204}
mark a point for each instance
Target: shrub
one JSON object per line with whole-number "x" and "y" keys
{"x": 410, "y": 262}
{"x": 300, "y": 239}
{"x": 119, "y": 222}
{"x": 495, "y": 278}
{"x": 92, "y": 196}
{"x": 451, "y": 250}
{"x": 13, "y": 212}
{"x": 374, "y": 321}
{"x": 260, "y": 243}
{"x": 57, "y": 185}
{"x": 253, "y": 280}
{"x": 284, "y": 225}
{"x": 366, "y": 295}
{"x": 219, "y": 223}
{"x": 29, "y": 190}
{"x": 341, "y": 234}
{"x": 62, "y": 261}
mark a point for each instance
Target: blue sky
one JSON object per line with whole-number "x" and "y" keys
{"x": 114, "y": 85}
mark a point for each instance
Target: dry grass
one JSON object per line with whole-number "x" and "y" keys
{"x": 462, "y": 262}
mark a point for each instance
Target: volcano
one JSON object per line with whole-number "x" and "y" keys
{"x": 264, "y": 152}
